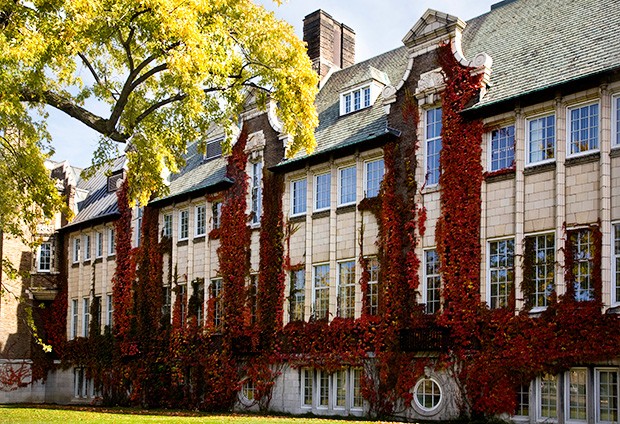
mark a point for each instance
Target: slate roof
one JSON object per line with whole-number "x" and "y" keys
{"x": 99, "y": 203}
{"x": 536, "y": 44}
{"x": 335, "y": 131}
{"x": 197, "y": 175}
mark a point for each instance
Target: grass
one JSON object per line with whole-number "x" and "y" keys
{"x": 83, "y": 414}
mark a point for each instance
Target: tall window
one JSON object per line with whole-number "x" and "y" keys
{"x": 502, "y": 148}
{"x": 298, "y": 197}
{"x": 200, "y": 220}
{"x": 85, "y": 316}
{"x": 297, "y": 298}
{"x": 541, "y": 139}
{"x": 346, "y": 289}
{"x": 76, "y": 250}
{"x": 323, "y": 389}
{"x": 97, "y": 311}
{"x": 74, "y": 318}
{"x": 501, "y": 272}
{"x": 110, "y": 311}
{"x": 111, "y": 242}
{"x": 373, "y": 286}
{"x": 433, "y": 145}
{"x": 139, "y": 226}
{"x": 252, "y": 297}
{"x": 355, "y": 100}
{"x": 548, "y": 386}
{"x": 541, "y": 251}
{"x": 167, "y": 229}
{"x": 576, "y": 394}
{"x": 216, "y": 211}
{"x": 616, "y": 121}
{"x": 323, "y": 191}
{"x": 99, "y": 241}
{"x": 340, "y": 384}
{"x": 183, "y": 224}
{"x": 257, "y": 193}
{"x": 321, "y": 291}
{"x": 523, "y": 400}
{"x": 432, "y": 281}
{"x": 307, "y": 386}
{"x": 44, "y": 263}
{"x": 583, "y": 128}
{"x": 166, "y": 308}
{"x": 374, "y": 175}
{"x": 616, "y": 265}
{"x": 582, "y": 242}
{"x": 87, "y": 247}
{"x": 607, "y": 399}
{"x": 357, "y": 401}
{"x": 347, "y": 185}
{"x": 216, "y": 295}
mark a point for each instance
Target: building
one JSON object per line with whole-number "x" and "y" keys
{"x": 457, "y": 227}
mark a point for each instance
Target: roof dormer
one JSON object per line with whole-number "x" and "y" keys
{"x": 363, "y": 91}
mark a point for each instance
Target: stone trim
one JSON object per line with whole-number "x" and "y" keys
{"x": 589, "y": 158}
{"x": 537, "y": 169}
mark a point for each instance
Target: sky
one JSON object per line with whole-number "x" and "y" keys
{"x": 379, "y": 25}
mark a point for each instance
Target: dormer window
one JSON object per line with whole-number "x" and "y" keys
{"x": 213, "y": 149}
{"x": 115, "y": 180}
{"x": 354, "y": 100}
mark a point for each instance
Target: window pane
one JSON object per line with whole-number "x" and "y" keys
{"x": 346, "y": 289}
{"x": 323, "y": 188}
{"x": 432, "y": 281}
{"x": 502, "y": 148}
{"x": 541, "y": 141}
{"x": 433, "y": 145}
{"x": 543, "y": 269}
{"x": 583, "y": 263}
{"x": 298, "y": 189}
{"x": 577, "y": 394}
{"x": 607, "y": 402}
{"x": 548, "y": 396}
{"x": 583, "y": 129}
{"x": 347, "y": 185}
{"x": 321, "y": 291}
{"x": 501, "y": 273}
{"x": 297, "y": 298}
{"x": 374, "y": 175}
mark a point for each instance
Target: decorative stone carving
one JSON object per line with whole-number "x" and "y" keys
{"x": 431, "y": 79}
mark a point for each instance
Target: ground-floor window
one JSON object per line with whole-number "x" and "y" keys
{"x": 427, "y": 394}
{"x": 584, "y": 389}
{"x": 83, "y": 387}
{"x": 340, "y": 390}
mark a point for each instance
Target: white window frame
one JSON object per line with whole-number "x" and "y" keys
{"x": 87, "y": 247}
{"x": 340, "y": 169}
{"x": 340, "y": 287}
{"x": 558, "y": 394}
{"x": 615, "y": 270}
{"x": 426, "y": 276}
{"x": 334, "y": 389}
{"x": 362, "y": 90}
{"x": 527, "y": 139}
{"x": 183, "y": 215}
{"x": 597, "y": 394}
{"x": 316, "y": 191}
{"x": 567, "y": 399}
{"x": 490, "y": 147}
{"x": 366, "y": 181}
{"x": 426, "y": 142}
{"x": 109, "y": 310}
{"x": 314, "y": 267}
{"x": 373, "y": 309}
{"x": 216, "y": 214}
{"x": 294, "y": 197}
{"x": 76, "y": 250}
{"x": 536, "y": 308}
{"x": 415, "y": 395}
{"x": 45, "y": 246}
{"x": 256, "y": 191}
{"x": 166, "y": 229}
{"x": 307, "y": 374}
{"x": 74, "y": 318}
{"x": 590, "y": 289}
{"x": 99, "y": 244}
{"x": 198, "y": 231}
{"x": 319, "y": 377}
{"x": 111, "y": 242}
{"x": 569, "y": 129}
{"x": 351, "y": 389}
{"x": 293, "y": 300}
{"x": 85, "y": 316}
{"x": 488, "y": 270}
{"x": 615, "y": 121}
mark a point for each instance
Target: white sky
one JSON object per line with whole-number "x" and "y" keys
{"x": 379, "y": 26}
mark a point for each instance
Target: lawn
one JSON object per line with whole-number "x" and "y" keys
{"x": 73, "y": 414}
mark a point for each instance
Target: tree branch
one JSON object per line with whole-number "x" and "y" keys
{"x": 97, "y": 123}
{"x": 158, "y": 105}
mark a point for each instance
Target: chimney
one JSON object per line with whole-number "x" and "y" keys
{"x": 330, "y": 43}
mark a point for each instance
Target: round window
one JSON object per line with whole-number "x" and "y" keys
{"x": 427, "y": 394}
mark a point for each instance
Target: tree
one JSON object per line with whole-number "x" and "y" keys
{"x": 168, "y": 69}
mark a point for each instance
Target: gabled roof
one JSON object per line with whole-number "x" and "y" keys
{"x": 335, "y": 131}
{"x": 99, "y": 202}
{"x": 198, "y": 175}
{"x": 536, "y": 44}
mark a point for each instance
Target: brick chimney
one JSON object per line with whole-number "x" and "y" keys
{"x": 330, "y": 43}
